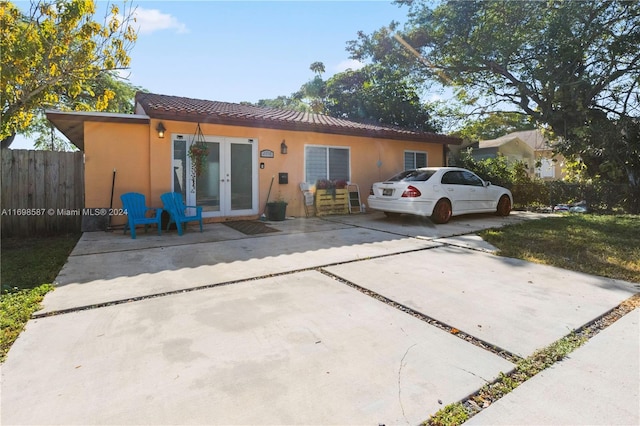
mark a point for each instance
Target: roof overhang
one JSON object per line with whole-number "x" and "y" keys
{"x": 382, "y": 133}
{"x": 178, "y": 108}
{"x": 71, "y": 124}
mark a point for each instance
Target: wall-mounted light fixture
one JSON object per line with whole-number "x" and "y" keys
{"x": 283, "y": 147}
{"x": 160, "y": 128}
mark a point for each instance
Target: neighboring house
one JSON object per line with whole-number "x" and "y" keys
{"x": 249, "y": 149}
{"x": 529, "y": 146}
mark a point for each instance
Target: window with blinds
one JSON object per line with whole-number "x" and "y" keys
{"x": 326, "y": 162}
{"x": 414, "y": 160}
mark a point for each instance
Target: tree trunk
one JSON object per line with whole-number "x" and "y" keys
{"x": 6, "y": 142}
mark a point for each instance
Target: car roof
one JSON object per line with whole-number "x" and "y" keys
{"x": 441, "y": 168}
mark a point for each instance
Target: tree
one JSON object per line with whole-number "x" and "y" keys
{"x": 572, "y": 65}
{"x": 56, "y": 55}
{"x": 371, "y": 95}
{"x": 45, "y": 135}
{"x": 318, "y": 68}
{"x": 494, "y": 125}
{"x": 283, "y": 102}
{"x": 377, "y": 95}
{"x": 312, "y": 93}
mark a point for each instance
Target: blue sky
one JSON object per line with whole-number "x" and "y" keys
{"x": 235, "y": 51}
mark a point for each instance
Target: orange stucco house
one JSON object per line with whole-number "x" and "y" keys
{"x": 248, "y": 148}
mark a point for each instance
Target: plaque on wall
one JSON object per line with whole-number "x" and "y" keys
{"x": 266, "y": 153}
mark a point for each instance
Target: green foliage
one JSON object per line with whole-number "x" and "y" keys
{"x": 377, "y": 95}
{"x": 45, "y": 135}
{"x": 570, "y": 65}
{"x": 601, "y": 197}
{"x": 28, "y": 262}
{"x": 494, "y": 125}
{"x": 603, "y": 245}
{"x": 528, "y": 192}
{"x": 497, "y": 170}
{"x": 26, "y": 265}
{"x": 371, "y": 94}
{"x": 313, "y": 94}
{"x": 317, "y": 67}
{"x": 16, "y": 309}
{"x": 57, "y": 54}
{"x": 283, "y": 102}
{"x": 453, "y": 414}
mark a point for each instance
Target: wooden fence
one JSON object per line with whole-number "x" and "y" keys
{"x": 42, "y": 192}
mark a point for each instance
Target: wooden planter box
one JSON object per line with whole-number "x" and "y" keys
{"x": 326, "y": 204}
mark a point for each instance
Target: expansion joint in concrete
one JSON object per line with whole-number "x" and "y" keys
{"x": 503, "y": 353}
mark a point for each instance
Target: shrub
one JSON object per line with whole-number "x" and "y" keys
{"x": 528, "y": 192}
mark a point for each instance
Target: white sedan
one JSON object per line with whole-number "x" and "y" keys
{"x": 440, "y": 193}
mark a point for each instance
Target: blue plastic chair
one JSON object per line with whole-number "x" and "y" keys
{"x": 137, "y": 213}
{"x": 172, "y": 202}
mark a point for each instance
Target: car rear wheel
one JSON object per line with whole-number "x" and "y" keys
{"x": 441, "y": 212}
{"x": 504, "y": 206}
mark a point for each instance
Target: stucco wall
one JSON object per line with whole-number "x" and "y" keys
{"x": 365, "y": 153}
{"x": 143, "y": 161}
{"x": 124, "y": 147}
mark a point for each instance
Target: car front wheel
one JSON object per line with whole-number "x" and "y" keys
{"x": 504, "y": 206}
{"x": 441, "y": 212}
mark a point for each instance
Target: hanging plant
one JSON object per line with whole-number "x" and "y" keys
{"x": 198, "y": 153}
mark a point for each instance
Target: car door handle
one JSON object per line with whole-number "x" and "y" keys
{"x": 450, "y": 189}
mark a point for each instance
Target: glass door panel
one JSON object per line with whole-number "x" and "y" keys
{"x": 180, "y": 167}
{"x": 241, "y": 176}
{"x": 228, "y": 184}
{"x": 208, "y": 183}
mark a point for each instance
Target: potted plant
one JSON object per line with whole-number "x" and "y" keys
{"x": 277, "y": 210}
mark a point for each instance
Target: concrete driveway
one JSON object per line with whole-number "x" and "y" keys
{"x": 326, "y": 321}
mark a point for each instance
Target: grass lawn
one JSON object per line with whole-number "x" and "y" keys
{"x": 608, "y": 246}
{"x": 29, "y": 265}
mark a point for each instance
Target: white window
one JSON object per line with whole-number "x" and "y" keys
{"x": 326, "y": 162}
{"x": 414, "y": 159}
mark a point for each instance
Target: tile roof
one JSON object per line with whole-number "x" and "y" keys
{"x": 203, "y": 111}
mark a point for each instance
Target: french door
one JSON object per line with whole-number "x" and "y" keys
{"x": 228, "y": 184}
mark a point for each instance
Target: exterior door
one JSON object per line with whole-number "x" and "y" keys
{"x": 228, "y": 185}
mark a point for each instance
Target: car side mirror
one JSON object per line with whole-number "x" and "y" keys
{"x": 487, "y": 183}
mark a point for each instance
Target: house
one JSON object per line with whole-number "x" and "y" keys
{"x": 253, "y": 153}
{"x": 529, "y": 146}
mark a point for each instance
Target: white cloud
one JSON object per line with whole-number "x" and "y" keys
{"x": 152, "y": 20}
{"x": 352, "y": 64}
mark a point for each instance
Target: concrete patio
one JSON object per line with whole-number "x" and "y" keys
{"x": 223, "y": 328}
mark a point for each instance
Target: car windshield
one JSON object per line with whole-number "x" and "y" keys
{"x": 412, "y": 176}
